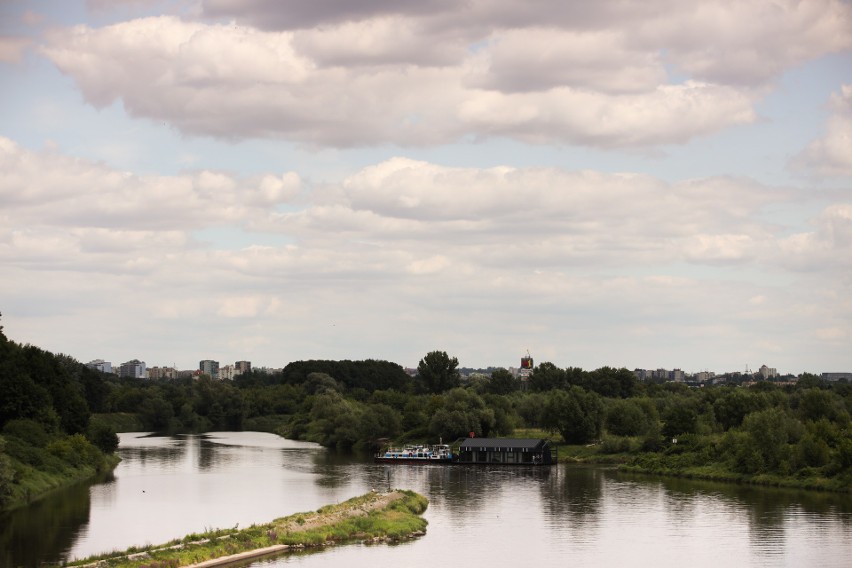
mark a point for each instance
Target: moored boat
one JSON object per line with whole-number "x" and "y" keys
{"x": 438, "y": 453}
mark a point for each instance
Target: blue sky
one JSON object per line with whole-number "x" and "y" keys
{"x": 656, "y": 184}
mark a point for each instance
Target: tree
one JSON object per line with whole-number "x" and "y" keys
{"x": 732, "y": 407}
{"x": 679, "y": 418}
{"x": 815, "y": 403}
{"x": 502, "y": 382}
{"x": 627, "y": 418}
{"x": 769, "y": 431}
{"x": 438, "y": 372}
{"x": 547, "y": 376}
{"x": 576, "y": 414}
{"x": 102, "y": 436}
{"x": 612, "y": 383}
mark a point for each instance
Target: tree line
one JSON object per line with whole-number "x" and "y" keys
{"x": 800, "y": 431}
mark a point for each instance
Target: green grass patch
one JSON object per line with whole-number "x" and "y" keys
{"x": 372, "y": 517}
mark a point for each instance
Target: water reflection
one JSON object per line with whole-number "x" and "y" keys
{"x": 45, "y": 530}
{"x": 167, "y": 487}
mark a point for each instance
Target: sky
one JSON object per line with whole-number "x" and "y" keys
{"x": 655, "y": 184}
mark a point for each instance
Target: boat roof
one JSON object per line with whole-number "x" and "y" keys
{"x": 503, "y": 444}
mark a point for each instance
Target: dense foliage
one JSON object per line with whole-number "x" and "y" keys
{"x": 47, "y": 436}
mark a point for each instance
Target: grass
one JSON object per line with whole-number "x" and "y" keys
{"x": 33, "y": 483}
{"x": 374, "y": 517}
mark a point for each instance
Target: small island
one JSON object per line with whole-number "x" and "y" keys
{"x": 372, "y": 518}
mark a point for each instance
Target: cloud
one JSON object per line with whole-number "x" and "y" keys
{"x": 402, "y": 245}
{"x": 743, "y": 43}
{"x": 828, "y": 247}
{"x": 12, "y": 48}
{"x": 831, "y": 155}
{"x": 49, "y": 188}
{"x": 288, "y": 15}
{"x": 367, "y": 83}
{"x": 388, "y": 221}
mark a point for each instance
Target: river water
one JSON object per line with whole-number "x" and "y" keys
{"x": 167, "y": 487}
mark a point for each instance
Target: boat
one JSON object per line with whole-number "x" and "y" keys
{"x": 438, "y": 453}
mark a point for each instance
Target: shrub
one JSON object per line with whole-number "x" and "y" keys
{"x": 103, "y": 437}
{"x": 27, "y": 431}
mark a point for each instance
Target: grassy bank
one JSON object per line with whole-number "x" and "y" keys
{"x": 684, "y": 461}
{"x": 35, "y": 483}
{"x": 372, "y": 518}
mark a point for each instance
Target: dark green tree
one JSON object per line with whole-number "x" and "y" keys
{"x": 627, "y": 418}
{"x": 679, "y": 418}
{"x": 547, "y": 376}
{"x": 502, "y": 382}
{"x": 102, "y": 436}
{"x": 576, "y": 414}
{"x": 438, "y": 372}
{"x": 735, "y": 404}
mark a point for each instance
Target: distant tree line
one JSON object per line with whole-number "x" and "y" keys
{"x": 800, "y": 431}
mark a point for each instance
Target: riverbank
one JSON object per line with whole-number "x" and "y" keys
{"x": 43, "y": 473}
{"x": 686, "y": 461}
{"x": 679, "y": 465}
{"x": 371, "y": 518}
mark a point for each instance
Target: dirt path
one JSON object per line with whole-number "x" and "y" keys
{"x": 337, "y": 513}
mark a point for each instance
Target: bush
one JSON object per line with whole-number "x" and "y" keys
{"x": 626, "y": 418}
{"x": 77, "y": 451}
{"x": 27, "y": 431}
{"x": 617, "y": 445}
{"x": 103, "y": 437}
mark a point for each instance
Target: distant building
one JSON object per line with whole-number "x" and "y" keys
{"x": 677, "y": 376}
{"x": 134, "y": 369}
{"x": 834, "y": 377}
{"x": 228, "y": 373}
{"x": 767, "y": 372}
{"x": 704, "y": 376}
{"x": 527, "y": 366}
{"x": 243, "y": 366}
{"x": 100, "y": 365}
{"x": 209, "y": 367}
{"x": 155, "y": 373}
{"x": 642, "y": 374}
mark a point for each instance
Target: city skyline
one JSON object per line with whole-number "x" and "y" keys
{"x": 657, "y": 184}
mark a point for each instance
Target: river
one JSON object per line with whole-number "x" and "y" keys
{"x": 567, "y": 515}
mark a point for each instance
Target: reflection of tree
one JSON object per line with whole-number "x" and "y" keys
{"x": 158, "y": 454}
{"x": 575, "y": 495}
{"x": 43, "y": 531}
{"x": 768, "y": 511}
{"x": 210, "y": 454}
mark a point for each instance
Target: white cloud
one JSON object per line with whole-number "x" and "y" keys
{"x": 49, "y": 188}
{"x": 829, "y": 247}
{"x": 403, "y": 246}
{"x": 367, "y": 82}
{"x": 538, "y": 59}
{"x": 831, "y": 155}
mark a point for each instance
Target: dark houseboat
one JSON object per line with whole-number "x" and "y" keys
{"x": 507, "y": 451}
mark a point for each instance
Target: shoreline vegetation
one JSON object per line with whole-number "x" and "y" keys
{"x": 373, "y": 518}
{"x": 59, "y": 418}
{"x": 652, "y": 465}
